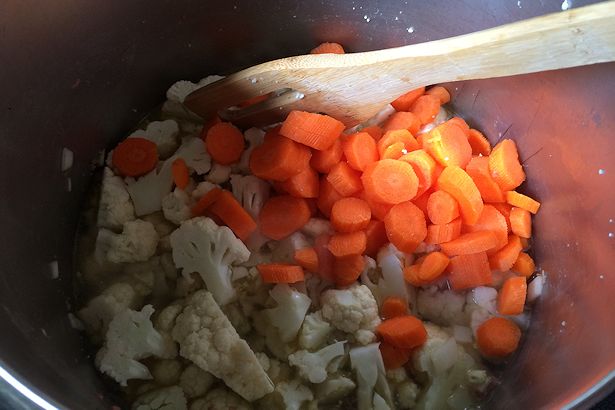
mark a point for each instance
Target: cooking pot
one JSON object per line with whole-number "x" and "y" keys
{"x": 78, "y": 75}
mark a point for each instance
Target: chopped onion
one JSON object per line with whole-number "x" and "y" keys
{"x": 462, "y": 334}
{"x": 534, "y": 289}
{"x": 485, "y": 297}
{"x": 444, "y": 356}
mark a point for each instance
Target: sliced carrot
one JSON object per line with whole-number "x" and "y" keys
{"x": 437, "y": 234}
{"x": 303, "y": 185}
{"x": 207, "y": 126}
{"x": 393, "y": 307}
{"x": 327, "y": 197}
{"x": 438, "y": 91}
{"x": 404, "y": 102}
{"x": 230, "y": 211}
{"x": 225, "y": 143}
{"x": 432, "y": 266}
{"x": 328, "y": 48}
{"x": 505, "y": 258}
{"x": 421, "y": 201}
{"x": 134, "y": 157}
{"x": 458, "y": 183}
{"x": 203, "y": 204}
{"x": 511, "y": 297}
{"x": 406, "y": 332}
{"x": 181, "y": 174}
{"x": 406, "y": 227}
{"x": 379, "y": 209}
{"x": 344, "y": 179}
{"x": 375, "y": 131}
{"x": 411, "y": 275}
{"x": 460, "y": 122}
{"x": 314, "y": 130}
{"x": 279, "y": 158}
{"x": 360, "y": 150}
{"x": 469, "y": 271}
{"x": 479, "y": 143}
{"x": 478, "y": 170}
{"x": 524, "y": 265}
{"x": 393, "y": 151}
{"x": 280, "y": 273}
{"x": 504, "y": 209}
{"x": 521, "y": 222}
{"x": 467, "y": 243}
{"x": 426, "y": 108}
{"x": 344, "y": 244}
{"x": 424, "y": 167}
{"x": 350, "y": 215}
{"x": 448, "y": 145}
{"x": 498, "y": 337}
{"x": 504, "y": 165}
{"x": 390, "y": 181}
{"x": 376, "y": 237}
{"x": 493, "y": 221}
{"x": 323, "y": 161}
{"x": 394, "y": 138}
{"x": 522, "y": 201}
{"x": 307, "y": 258}
{"x": 347, "y": 269}
{"x": 394, "y": 357}
{"x": 402, "y": 121}
{"x": 442, "y": 208}
{"x": 283, "y": 215}
{"x": 325, "y": 258}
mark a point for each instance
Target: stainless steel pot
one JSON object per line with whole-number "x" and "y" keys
{"x": 79, "y": 74}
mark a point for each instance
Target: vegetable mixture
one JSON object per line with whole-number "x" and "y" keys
{"x": 306, "y": 266}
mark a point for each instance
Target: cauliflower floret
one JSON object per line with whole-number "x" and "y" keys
{"x": 176, "y": 206}
{"x": 314, "y": 332}
{"x": 251, "y": 192}
{"x": 180, "y": 90}
{"x": 147, "y": 191}
{"x": 441, "y": 307}
{"x": 391, "y": 263}
{"x": 367, "y": 362}
{"x": 404, "y": 390}
{"x": 168, "y": 398}
{"x": 334, "y": 389}
{"x": 239, "y": 321}
{"x": 273, "y": 340}
{"x": 288, "y": 395}
{"x": 151, "y": 277}
{"x": 136, "y": 243}
{"x": 163, "y": 227}
{"x": 219, "y": 174}
{"x": 140, "y": 276}
{"x": 163, "y": 134}
{"x": 288, "y": 315}
{"x": 202, "y": 188}
{"x": 166, "y": 372}
{"x": 316, "y": 227}
{"x": 200, "y": 245}
{"x": 194, "y": 153}
{"x": 314, "y": 366}
{"x": 480, "y": 306}
{"x": 115, "y": 207}
{"x": 164, "y": 323}
{"x": 220, "y": 399}
{"x": 207, "y": 338}
{"x": 252, "y": 292}
{"x": 131, "y": 336}
{"x": 353, "y": 310}
{"x": 254, "y": 137}
{"x": 195, "y": 381}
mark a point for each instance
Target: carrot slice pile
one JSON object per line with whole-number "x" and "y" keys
{"x": 458, "y": 183}
{"x": 303, "y": 185}
{"x": 350, "y": 215}
{"x": 344, "y": 179}
{"x": 442, "y": 208}
{"x": 314, "y": 130}
{"x": 390, "y": 181}
{"x": 424, "y": 167}
{"x": 405, "y": 226}
{"x": 448, "y": 145}
{"x": 360, "y": 150}
{"x": 478, "y": 170}
{"x": 323, "y": 161}
{"x": 437, "y": 234}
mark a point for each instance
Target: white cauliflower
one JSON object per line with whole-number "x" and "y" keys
{"x": 220, "y": 399}
{"x": 140, "y": 276}
{"x": 290, "y": 311}
{"x": 207, "y": 338}
{"x": 444, "y": 307}
{"x": 164, "y": 323}
{"x": 353, "y": 310}
{"x": 404, "y": 390}
{"x": 334, "y": 389}
{"x": 200, "y": 245}
{"x": 271, "y": 334}
{"x": 180, "y": 90}
{"x": 315, "y": 366}
{"x": 147, "y": 191}
{"x": 314, "y": 332}
{"x": 534, "y": 289}
{"x": 391, "y": 263}
{"x": 195, "y": 154}
{"x": 277, "y": 370}
{"x": 316, "y": 227}
{"x": 115, "y": 207}
{"x": 237, "y": 318}
{"x": 254, "y": 137}
{"x": 251, "y": 192}
{"x": 163, "y": 227}
{"x": 176, "y": 206}
{"x": 481, "y": 304}
{"x": 163, "y": 134}
{"x": 166, "y": 372}
{"x": 202, "y": 188}
{"x": 195, "y": 382}
{"x": 367, "y": 362}
{"x": 131, "y": 336}
{"x": 151, "y": 277}
{"x": 219, "y": 174}
{"x": 288, "y": 395}
{"x": 168, "y": 398}
{"x": 136, "y": 243}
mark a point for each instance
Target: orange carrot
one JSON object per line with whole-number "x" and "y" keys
{"x": 350, "y": 215}
{"x": 460, "y": 122}
{"x": 498, "y": 337}
{"x": 504, "y": 165}
{"x": 280, "y": 273}
{"x": 522, "y": 201}
{"x": 478, "y": 170}
{"x": 521, "y": 222}
{"x": 458, "y": 183}
{"x": 379, "y": 209}
{"x": 432, "y": 266}
{"x": 307, "y": 258}
{"x": 283, "y": 215}
{"x": 207, "y": 126}
{"x": 438, "y": 91}
{"x": 479, "y": 143}
{"x": 493, "y": 221}
{"x": 469, "y": 271}
{"x": 390, "y": 181}
{"x": 511, "y": 297}
{"x": 327, "y": 197}
{"x": 411, "y": 275}
{"x": 426, "y": 108}
{"x": 393, "y": 307}
{"x": 328, "y": 48}
{"x": 230, "y": 211}
{"x": 424, "y": 167}
{"x": 360, "y": 150}
{"x": 134, "y": 157}
{"x": 405, "y": 332}
{"x": 467, "y": 243}
{"x": 524, "y": 265}
{"x": 375, "y": 131}
{"x": 437, "y": 234}
{"x": 402, "y": 121}
{"x": 314, "y": 130}
{"x": 442, "y": 208}
{"x": 404, "y": 102}
{"x": 406, "y": 227}
{"x": 303, "y": 185}
{"x": 504, "y": 209}
{"x": 505, "y": 258}
{"x": 323, "y": 161}
{"x": 224, "y": 143}
{"x": 448, "y": 145}
{"x": 394, "y": 357}
{"x": 325, "y": 258}
{"x": 421, "y": 201}
{"x": 347, "y": 269}
{"x": 344, "y": 179}
{"x": 344, "y": 244}
{"x": 279, "y": 158}
{"x": 394, "y": 138}
{"x": 376, "y": 237}
{"x": 181, "y": 174}
{"x": 205, "y": 202}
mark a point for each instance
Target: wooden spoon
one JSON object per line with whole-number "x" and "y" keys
{"x": 354, "y": 87}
